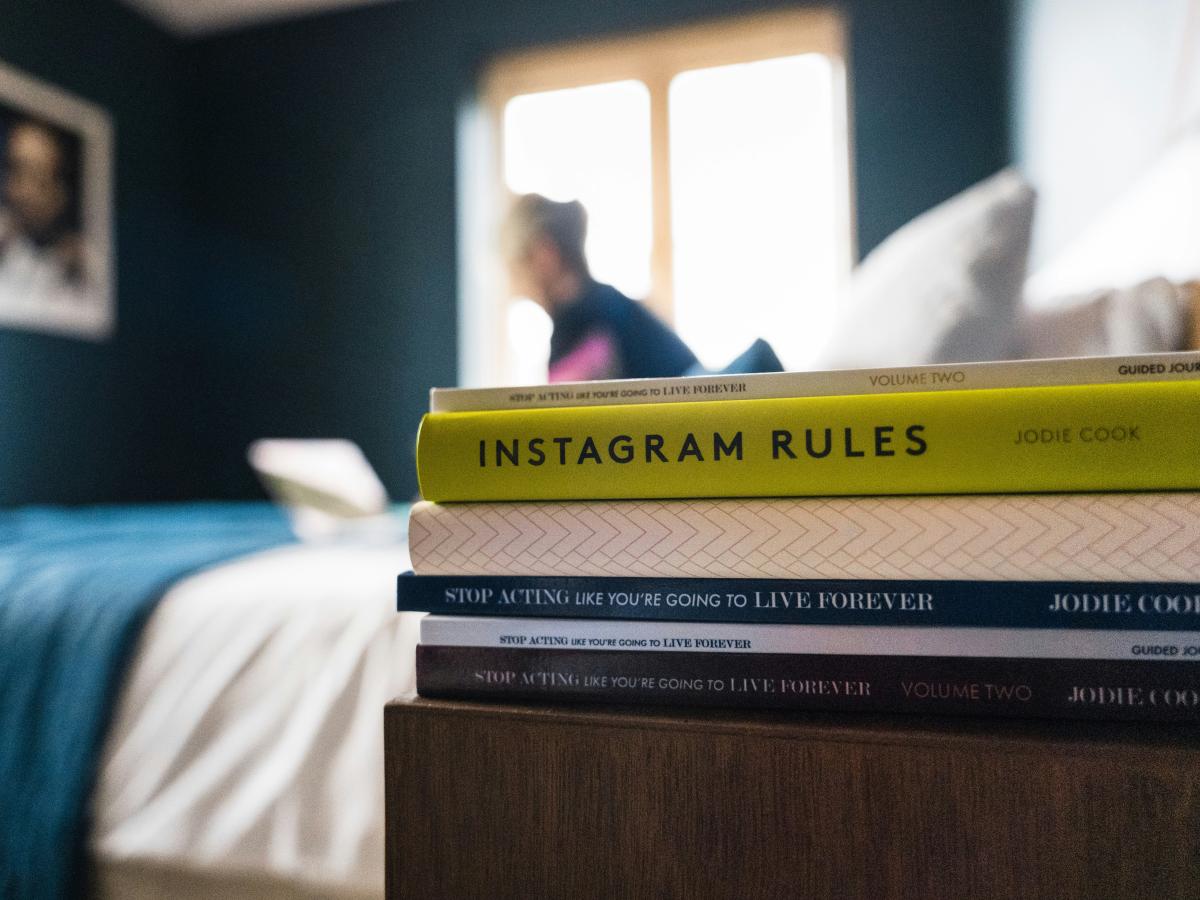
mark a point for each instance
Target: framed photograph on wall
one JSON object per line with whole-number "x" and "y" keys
{"x": 57, "y": 265}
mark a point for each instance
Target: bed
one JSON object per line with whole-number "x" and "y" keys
{"x": 256, "y": 698}
{"x": 241, "y": 755}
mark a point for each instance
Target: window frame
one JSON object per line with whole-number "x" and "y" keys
{"x": 654, "y": 58}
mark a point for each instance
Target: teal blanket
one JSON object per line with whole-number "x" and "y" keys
{"x": 76, "y": 587}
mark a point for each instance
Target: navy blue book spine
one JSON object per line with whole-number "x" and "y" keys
{"x": 1042, "y": 688}
{"x": 989, "y": 604}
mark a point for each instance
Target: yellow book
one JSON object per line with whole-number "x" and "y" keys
{"x": 1101, "y": 437}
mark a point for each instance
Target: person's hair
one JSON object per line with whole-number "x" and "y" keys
{"x": 534, "y": 216}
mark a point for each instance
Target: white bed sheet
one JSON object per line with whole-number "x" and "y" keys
{"x": 248, "y": 739}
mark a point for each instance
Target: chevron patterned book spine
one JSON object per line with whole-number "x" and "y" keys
{"x": 1014, "y": 373}
{"x": 1061, "y": 688}
{"x": 1135, "y": 608}
{"x": 836, "y": 640}
{"x": 1104, "y": 437}
{"x": 1119, "y": 537}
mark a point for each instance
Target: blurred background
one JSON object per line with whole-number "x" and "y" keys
{"x": 305, "y": 193}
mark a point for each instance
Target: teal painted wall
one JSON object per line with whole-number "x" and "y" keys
{"x": 82, "y": 421}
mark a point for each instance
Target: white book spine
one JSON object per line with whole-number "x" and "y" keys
{"x": 835, "y": 640}
{"x": 963, "y": 376}
{"x": 1125, "y": 537}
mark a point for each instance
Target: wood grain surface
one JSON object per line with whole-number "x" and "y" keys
{"x": 495, "y": 801}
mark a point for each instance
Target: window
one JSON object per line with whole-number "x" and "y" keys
{"x": 713, "y": 161}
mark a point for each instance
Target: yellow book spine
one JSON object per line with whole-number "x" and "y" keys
{"x": 1106, "y": 437}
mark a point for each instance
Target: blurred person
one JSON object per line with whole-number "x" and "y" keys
{"x": 598, "y": 331}
{"x": 42, "y": 257}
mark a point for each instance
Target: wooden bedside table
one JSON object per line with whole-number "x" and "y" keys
{"x": 514, "y": 801}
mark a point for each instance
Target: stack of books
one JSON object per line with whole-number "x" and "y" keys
{"x": 1017, "y": 538}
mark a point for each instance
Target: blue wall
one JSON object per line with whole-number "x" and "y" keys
{"x": 327, "y": 190}
{"x": 82, "y": 421}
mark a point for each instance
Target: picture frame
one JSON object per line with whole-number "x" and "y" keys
{"x": 57, "y": 248}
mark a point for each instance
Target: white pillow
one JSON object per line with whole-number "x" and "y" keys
{"x": 326, "y": 486}
{"x": 1151, "y": 317}
{"x": 1152, "y": 230}
{"x": 945, "y": 287}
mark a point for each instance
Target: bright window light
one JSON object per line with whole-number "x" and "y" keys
{"x": 590, "y": 144}
{"x": 754, "y": 215}
{"x": 528, "y": 348}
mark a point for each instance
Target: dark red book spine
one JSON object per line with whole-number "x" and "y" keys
{"x": 1054, "y": 688}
